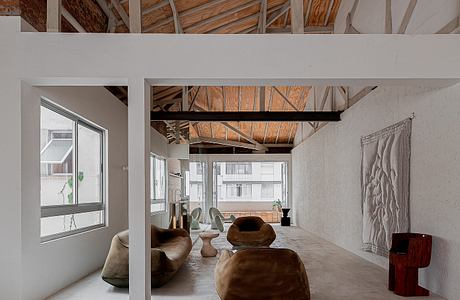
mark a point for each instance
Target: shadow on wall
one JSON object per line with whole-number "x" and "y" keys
{"x": 435, "y": 276}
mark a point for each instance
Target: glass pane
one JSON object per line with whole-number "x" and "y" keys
{"x": 89, "y": 174}
{"x": 60, "y": 224}
{"x": 250, "y": 188}
{"x": 56, "y": 158}
{"x": 157, "y": 207}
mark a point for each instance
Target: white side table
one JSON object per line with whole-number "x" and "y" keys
{"x": 208, "y": 250}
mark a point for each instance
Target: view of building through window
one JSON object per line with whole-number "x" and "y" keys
{"x": 240, "y": 188}
{"x": 157, "y": 184}
{"x": 71, "y": 172}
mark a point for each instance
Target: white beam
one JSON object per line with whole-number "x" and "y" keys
{"x": 53, "y": 15}
{"x": 218, "y": 60}
{"x": 177, "y": 26}
{"x": 297, "y": 16}
{"x": 135, "y": 16}
{"x": 139, "y": 189}
{"x": 72, "y": 21}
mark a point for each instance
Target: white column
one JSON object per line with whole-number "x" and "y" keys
{"x": 139, "y": 188}
{"x": 53, "y": 15}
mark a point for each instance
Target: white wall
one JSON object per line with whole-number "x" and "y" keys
{"x": 326, "y": 176}
{"x": 326, "y": 166}
{"x": 51, "y": 266}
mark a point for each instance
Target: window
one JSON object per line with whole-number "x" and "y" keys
{"x": 268, "y": 190}
{"x": 267, "y": 168}
{"x": 239, "y": 190}
{"x": 157, "y": 184}
{"x": 238, "y": 168}
{"x": 71, "y": 173}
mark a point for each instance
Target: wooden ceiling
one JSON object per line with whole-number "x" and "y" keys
{"x": 229, "y": 98}
{"x": 224, "y": 16}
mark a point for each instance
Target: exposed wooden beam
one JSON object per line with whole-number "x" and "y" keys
{"x": 297, "y": 16}
{"x": 329, "y": 10}
{"x": 407, "y": 16}
{"x": 286, "y": 99}
{"x": 248, "y": 116}
{"x": 282, "y": 108}
{"x": 105, "y": 8}
{"x": 223, "y": 142}
{"x": 135, "y": 16}
{"x": 388, "y": 17}
{"x": 270, "y": 102}
{"x": 361, "y": 94}
{"x": 308, "y": 29}
{"x": 121, "y": 11}
{"x": 173, "y": 91}
{"x": 185, "y": 103}
{"x": 53, "y": 15}
{"x": 450, "y": 27}
{"x": 350, "y": 29}
{"x": 261, "y": 98}
{"x": 166, "y": 101}
{"x": 307, "y": 14}
{"x": 282, "y": 10}
{"x": 194, "y": 99}
{"x": 177, "y": 26}
{"x": 262, "y": 16}
{"x": 242, "y": 134}
{"x": 72, "y": 20}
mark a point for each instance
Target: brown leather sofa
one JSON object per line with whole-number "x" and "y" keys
{"x": 261, "y": 273}
{"x": 170, "y": 248}
{"x": 250, "y": 231}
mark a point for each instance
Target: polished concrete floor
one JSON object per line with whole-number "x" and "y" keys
{"x": 333, "y": 274}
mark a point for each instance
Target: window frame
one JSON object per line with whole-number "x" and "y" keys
{"x": 152, "y": 187}
{"x": 77, "y": 208}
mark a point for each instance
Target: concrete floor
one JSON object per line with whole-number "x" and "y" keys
{"x": 333, "y": 274}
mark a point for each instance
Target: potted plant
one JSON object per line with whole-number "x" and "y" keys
{"x": 277, "y": 205}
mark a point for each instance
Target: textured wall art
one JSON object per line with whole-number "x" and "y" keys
{"x": 385, "y": 185}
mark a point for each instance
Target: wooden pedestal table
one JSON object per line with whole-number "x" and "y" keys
{"x": 208, "y": 250}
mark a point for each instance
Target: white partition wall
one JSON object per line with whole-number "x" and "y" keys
{"x": 132, "y": 59}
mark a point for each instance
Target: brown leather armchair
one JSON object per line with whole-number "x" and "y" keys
{"x": 261, "y": 273}
{"x": 408, "y": 253}
{"x": 250, "y": 231}
{"x": 170, "y": 248}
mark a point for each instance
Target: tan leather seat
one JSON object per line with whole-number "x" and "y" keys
{"x": 250, "y": 231}
{"x": 170, "y": 248}
{"x": 261, "y": 273}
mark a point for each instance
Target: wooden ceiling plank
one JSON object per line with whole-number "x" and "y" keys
{"x": 282, "y": 10}
{"x": 407, "y": 16}
{"x": 297, "y": 16}
{"x": 194, "y": 98}
{"x": 286, "y": 99}
{"x": 233, "y": 23}
{"x": 222, "y": 15}
{"x": 154, "y": 7}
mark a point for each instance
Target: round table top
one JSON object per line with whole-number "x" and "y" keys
{"x": 208, "y": 234}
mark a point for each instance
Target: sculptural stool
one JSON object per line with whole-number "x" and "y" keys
{"x": 409, "y": 252}
{"x": 208, "y": 250}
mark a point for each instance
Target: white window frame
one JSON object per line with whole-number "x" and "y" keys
{"x": 152, "y": 174}
{"x": 77, "y": 208}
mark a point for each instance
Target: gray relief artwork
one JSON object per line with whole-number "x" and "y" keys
{"x": 385, "y": 185}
